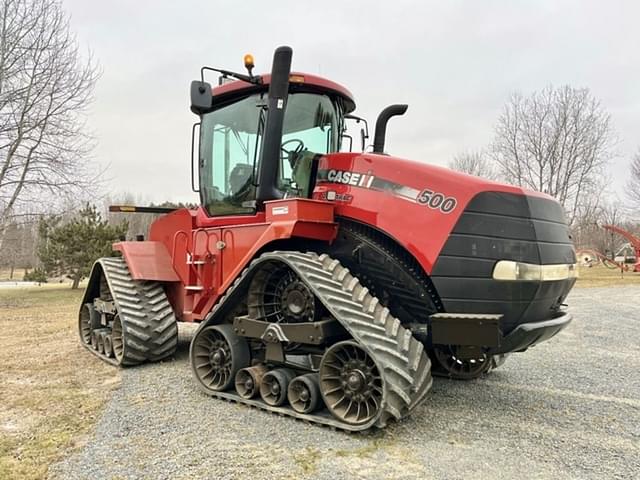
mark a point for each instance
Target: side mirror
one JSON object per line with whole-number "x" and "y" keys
{"x": 201, "y": 97}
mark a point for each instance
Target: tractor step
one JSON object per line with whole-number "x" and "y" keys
{"x": 482, "y": 330}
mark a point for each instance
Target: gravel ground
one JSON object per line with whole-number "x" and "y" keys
{"x": 569, "y": 408}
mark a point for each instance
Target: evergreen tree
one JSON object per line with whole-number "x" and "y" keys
{"x": 71, "y": 248}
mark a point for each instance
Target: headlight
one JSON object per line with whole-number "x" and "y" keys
{"x": 510, "y": 270}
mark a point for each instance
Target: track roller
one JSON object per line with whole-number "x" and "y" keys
{"x": 304, "y": 393}
{"x": 248, "y": 380}
{"x": 101, "y": 333}
{"x": 94, "y": 340}
{"x": 273, "y": 389}
{"x": 219, "y": 353}
{"x": 108, "y": 346}
{"x": 100, "y": 343}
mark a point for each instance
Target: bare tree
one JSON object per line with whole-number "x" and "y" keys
{"x": 588, "y": 232}
{"x": 633, "y": 186}
{"x": 557, "y": 141}
{"x": 474, "y": 163}
{"x": 45, "y": 86}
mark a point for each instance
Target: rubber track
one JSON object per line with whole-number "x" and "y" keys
{"x": 149, "y": 325}
{"x": 404, "y": 366}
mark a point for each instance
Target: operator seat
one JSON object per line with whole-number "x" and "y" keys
{"x": 239, "y": 176}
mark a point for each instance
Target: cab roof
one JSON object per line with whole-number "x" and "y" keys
{"x": 298, "y": 82}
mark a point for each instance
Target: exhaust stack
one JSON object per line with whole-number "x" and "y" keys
{"x": 381, "y": 125}
{"x": 272, "y": 139}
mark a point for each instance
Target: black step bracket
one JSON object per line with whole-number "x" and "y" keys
{"x": 471, "y": 329}
{"x": 311, "y": 333}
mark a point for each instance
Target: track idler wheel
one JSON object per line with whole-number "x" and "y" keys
{"x": 89, "y": 320}
{"x": 449, "y": 364}
{"x": 350, "y": 383}
{"x": 248, "y": 380}
{"x": 117, "y": 339}
{"x": 275, "y": 383}
{"x": 217, "y": 356}
{"x": 304, "y": 393}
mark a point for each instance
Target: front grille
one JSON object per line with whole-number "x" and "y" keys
{"x": 503, "y": 226}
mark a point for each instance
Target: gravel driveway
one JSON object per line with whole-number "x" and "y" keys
{"x": 569, "y": 408}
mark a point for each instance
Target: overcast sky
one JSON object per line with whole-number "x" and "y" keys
{"x": 454, "y": 62}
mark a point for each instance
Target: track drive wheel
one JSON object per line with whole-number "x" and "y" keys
{"x": 88, "y": 320}
{"x": 123, "y": 344}
{"x": 218, "y": 354}
{"x": 350, "y": 383}
{"x": 448, "y": 364}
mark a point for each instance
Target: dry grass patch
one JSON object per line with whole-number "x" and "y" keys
{"x": 52, "y": 389}
{"x": 600, "y": 276}
{"x": 5, "y": 273}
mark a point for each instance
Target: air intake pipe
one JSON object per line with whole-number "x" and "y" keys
{"x": 381, "y": 125}
{"x": 272, "y": 139}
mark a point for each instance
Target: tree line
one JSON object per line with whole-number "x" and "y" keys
{"x": 560, "y": 141}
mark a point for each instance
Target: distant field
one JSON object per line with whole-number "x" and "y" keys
{"x": 18, "y": 274}
{"x": 599, "y": 276}
{"x": 52, "y": 390}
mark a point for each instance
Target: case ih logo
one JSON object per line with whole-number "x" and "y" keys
{"x": 350, "y": 178}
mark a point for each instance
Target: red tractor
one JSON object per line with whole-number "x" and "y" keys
{"x": 328, "y": 285}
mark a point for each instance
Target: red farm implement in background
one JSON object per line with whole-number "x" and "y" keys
{"x": 632, "y": 239}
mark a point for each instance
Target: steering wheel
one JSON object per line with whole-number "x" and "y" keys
{"x": 286, "y": 153}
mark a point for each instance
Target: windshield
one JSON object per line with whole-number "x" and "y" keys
{"x": 310, "y": 128}
{"x": 230, "y": 144}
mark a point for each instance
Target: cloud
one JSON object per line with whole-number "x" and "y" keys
{"x": 454, "y": 62}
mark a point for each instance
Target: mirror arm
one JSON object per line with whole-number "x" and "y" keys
{"x": 255, "y": 79}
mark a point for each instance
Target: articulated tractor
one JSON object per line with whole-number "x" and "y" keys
{"x": 329, "y": 285}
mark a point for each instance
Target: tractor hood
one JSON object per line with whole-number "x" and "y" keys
{"x": 420, "y": 204}
{"x": 487, "y": 247}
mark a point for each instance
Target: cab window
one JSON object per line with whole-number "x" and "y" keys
{"x": 229, "y": 145}
{"x": 310, "y": 128}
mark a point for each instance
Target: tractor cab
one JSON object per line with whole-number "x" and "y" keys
{"x": 261, "y": 137}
